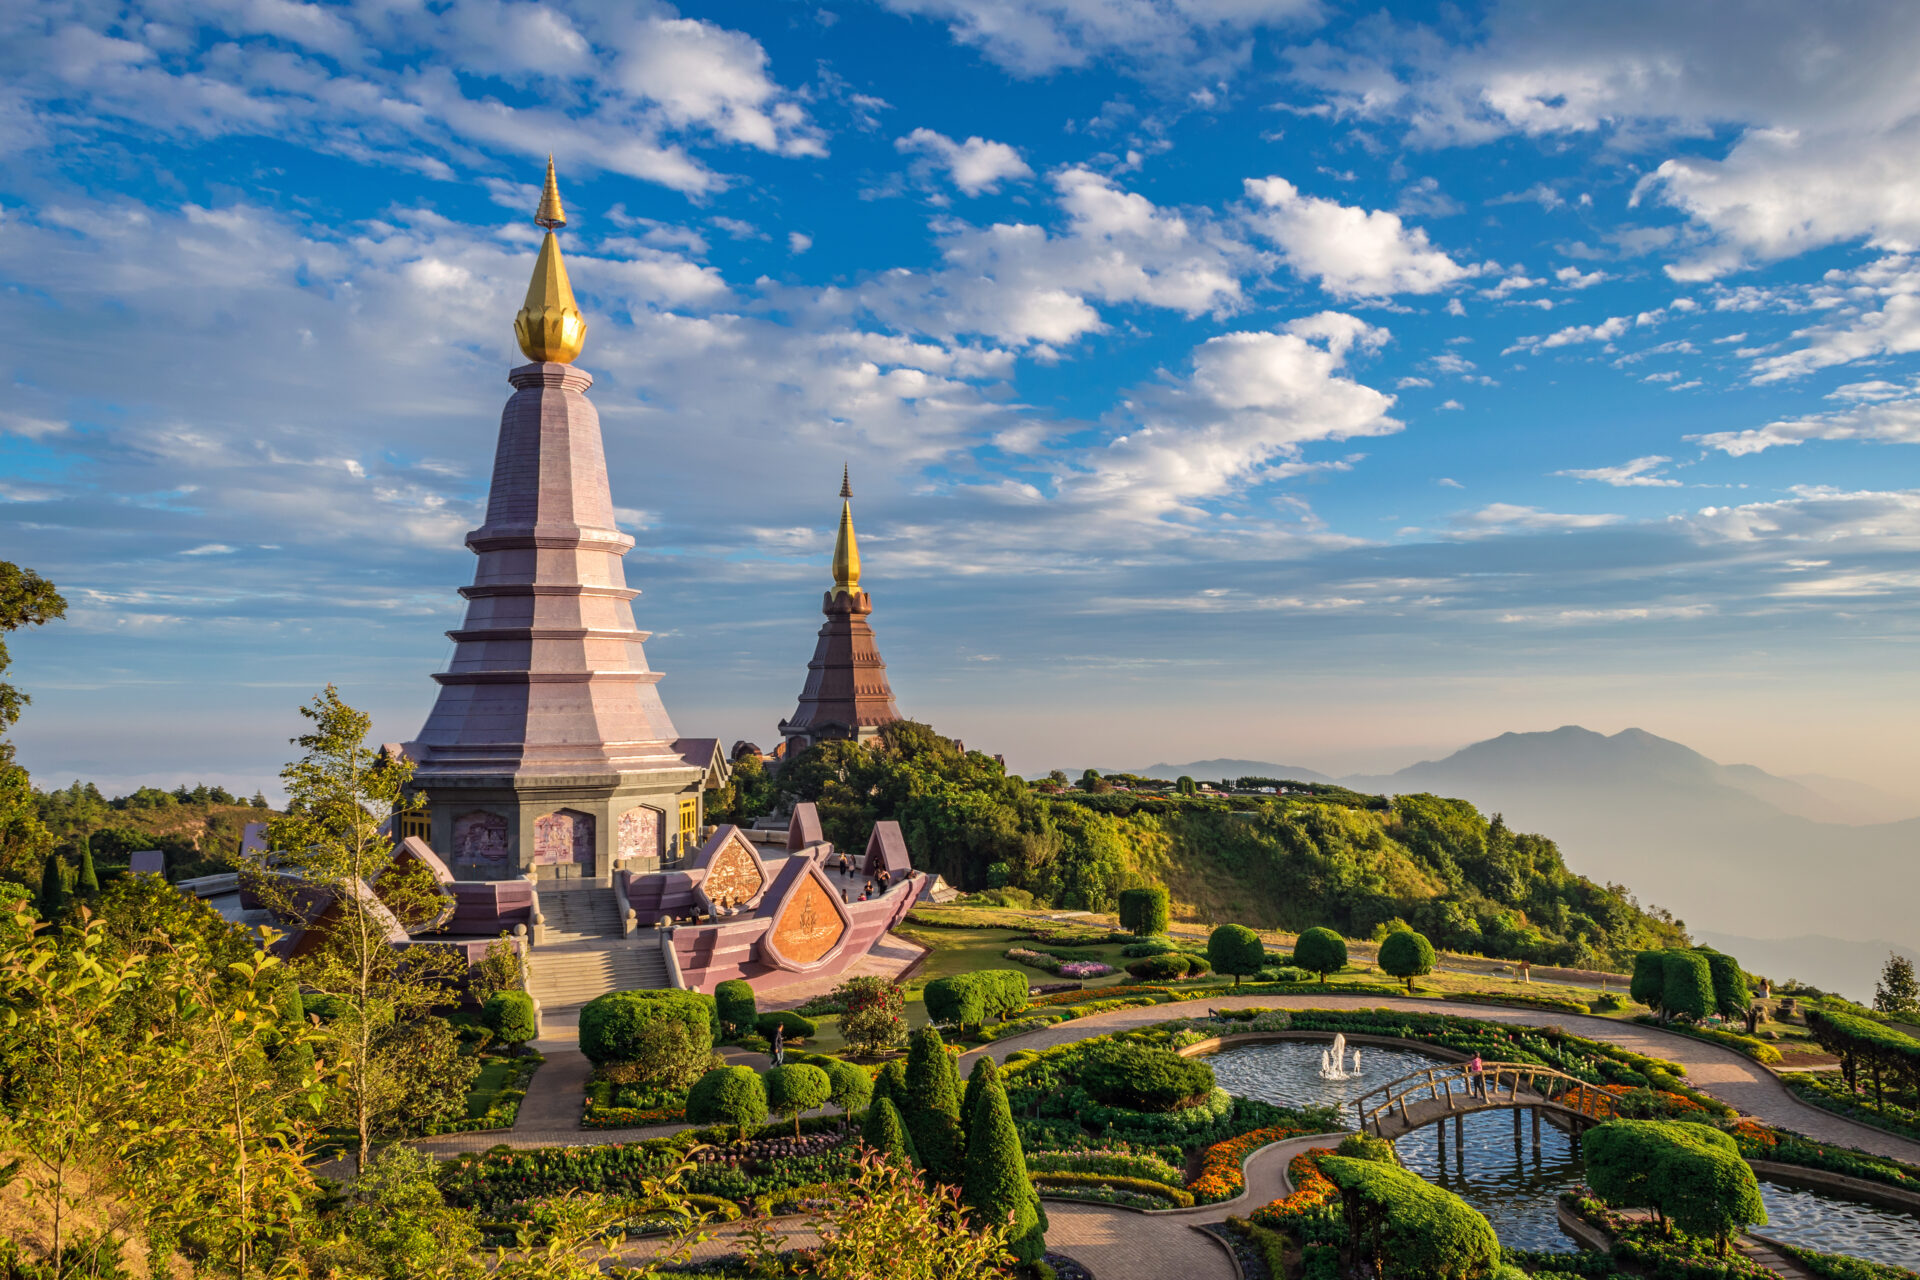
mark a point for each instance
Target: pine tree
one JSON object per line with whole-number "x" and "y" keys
{"x": 1897, "y": 992}
{"x": 932, "y": 1106}
{"x": 884, "y": 1132}
{"x": 53, "y": 887}
{"x": 995, "y": 1185}
{"x": 87, "y": 885}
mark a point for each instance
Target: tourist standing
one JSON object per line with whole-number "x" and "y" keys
{"x": 1477, "y": 1077}
{"x": 779, "y": 1045}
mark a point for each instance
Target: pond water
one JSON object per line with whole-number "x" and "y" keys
{"x": 1514, "y": 1181}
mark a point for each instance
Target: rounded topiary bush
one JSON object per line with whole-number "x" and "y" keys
{"x": 1197, "y": 966}
{"x": 792, "y": 1025}
{"x": 1321, "y": 951}
{"x": 733, "y": 1001}
{"x": 794, "y": 1088}
{"x": 509, "y": 1015}
{"x": 1406, "y": 955}
{"x": 732, "y": 1096}
{"x": 958, "y": 1000}
{"x": 1144, "y": 911}
{"x": 1143, "y": 1078}
{"x": 1236, "y": 949}
{"x": 611, "y": 1025}
{"x": 1159, "y": 968}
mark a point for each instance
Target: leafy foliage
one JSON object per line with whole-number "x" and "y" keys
{"x": 732, "y": 1096}
{"x": 1692, "y": 1174}
{"x": 1410, "y": 1228}
{"x": 1320, "y": 950}
{"x": 611, "y": 1025}
{"x": 995, "y": 1185}
{"x": 796, "y": 1087}
{"x": 1144, "y": 1078}
{"x": 1236, "y": 949}
{"x": 873, "y": 1018}
{"x": 734, "y": 1001}
{"x": 1897, "y": 991}
{"x": 509, "y": 1015}
{"x": 1406, "y": 955}
{"x": 1143, "y": 912}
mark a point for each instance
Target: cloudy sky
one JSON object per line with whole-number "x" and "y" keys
{"x": 1269, "y": 378}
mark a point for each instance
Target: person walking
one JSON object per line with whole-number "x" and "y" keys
{"x": 779, "y": 1045}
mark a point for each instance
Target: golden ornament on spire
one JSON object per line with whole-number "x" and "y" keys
{"x": 550, "y": 327}
{"x": 846, "y": 548}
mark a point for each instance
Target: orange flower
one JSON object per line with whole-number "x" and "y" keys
{"x": 1221, "y": 1177}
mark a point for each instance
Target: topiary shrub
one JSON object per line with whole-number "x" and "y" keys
{"x": 929, "y": 1100}
{"x": 1322, "y": 951}
{"x": 1198, "y": 966}
{"x": 732, "y": 1096}
{"x": 1691, "y": 1173}
{"x": 1364, "y": 1146}
{"x": 611, "y": 1024}
{"x": 1004, "y": 991}
{"x": 852, "y": 1088}
{"x": 1144, "y": 1078}
{"x": 995, "y": 1185}
{"x": 1649, "y": 982}
{"x": 1236, "y": 949}
{"x": 1144, "y": 911}
{"x": 792, "y": 1026}
{"x": 1688, "y": 989}
{"x": 1159, "y": 968}
{"x": 794, "y": 1088}
{"x": 959, "y": 1000}
{"x": 1151, "y": 947}
{"x": 509, "y": 1015}
{"x": 883, "y": 1131}
{"x": 1411, "y": 1229}
{"x": 733, "y": 1001}
{"x": 1406, "y": 955}
{"x": 1731, "y": 994}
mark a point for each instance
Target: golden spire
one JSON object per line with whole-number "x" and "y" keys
{"x": 846, "y": 548}
{"x": 550, "y": 327}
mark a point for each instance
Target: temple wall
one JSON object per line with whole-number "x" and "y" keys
{"x": 712, "y": 954}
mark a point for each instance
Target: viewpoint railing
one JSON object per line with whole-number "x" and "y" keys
{"x": 1496, "y": 1084}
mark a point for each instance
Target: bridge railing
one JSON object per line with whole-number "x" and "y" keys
{"x": 1496, "y": 1084}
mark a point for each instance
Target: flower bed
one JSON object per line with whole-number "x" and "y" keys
{"x": 1169, "y": 1197}
{"x": 1312, "y": 1190}
{"x": 505, "y": 1107}
{"x": 1761, "y": 1142}
{"x": 1649, "y": 1250}
{"x": 1067, "y": 999}
{"x": 1759, "y": 1050}
{"x": 1553, "y": 1004}
{"x": 1221, "y": 1175}
{"x": 1047, "y": 963}
{"x": 1828, "y": 1091}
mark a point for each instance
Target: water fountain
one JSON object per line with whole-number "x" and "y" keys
{"x": 1333, "y": 1062}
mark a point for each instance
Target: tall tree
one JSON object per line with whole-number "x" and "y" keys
{"x": 26, "y": 600}
{"x": 340, "y": 793}
{"x": 995, "y": 1185}
{"x": 1897, "y": 991}
{"x": 930, "y": 1105}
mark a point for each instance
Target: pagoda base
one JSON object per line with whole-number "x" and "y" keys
{"x": 580, "y": 827}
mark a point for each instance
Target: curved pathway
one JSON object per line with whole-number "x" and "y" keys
{"x": 1119, "y": 1244}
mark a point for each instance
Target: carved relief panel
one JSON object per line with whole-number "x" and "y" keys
{"x": 640, "y": 833}
{"x": 733, "y": 877}
{"x": 480, "y": 840}
{"x": 563, "y": 838}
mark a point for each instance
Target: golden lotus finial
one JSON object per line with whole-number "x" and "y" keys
{"x": 846, "y": 548}
{"x": 550, "y": 327}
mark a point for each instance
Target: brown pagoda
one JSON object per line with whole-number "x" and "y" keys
{"x": 846, "y": 694}
{"x": 548, "y": 752}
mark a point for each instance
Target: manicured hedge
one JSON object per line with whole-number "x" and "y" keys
{"x": 1144, "y": 911}
{"x": 610, "y": 1024}
{"x": 1236, "y": 949}
{"x": 1160, "y": 968}
{"x": 792, "y": 1025}
{"x": 1145, "y": 1078}
{"x": 509, "y": 1015}
{"x": 1692, "y": 1173}
{"x": 733, "y": 1000}
{"x": 1321, "y": 951}
{"x": 1412, "y": 1229}
{"x": 1175, "y": 1197}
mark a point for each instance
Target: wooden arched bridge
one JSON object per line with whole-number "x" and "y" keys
{"x": 1421, "y": 1098}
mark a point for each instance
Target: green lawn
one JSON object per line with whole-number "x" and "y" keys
{"x": 495, "y": 1072}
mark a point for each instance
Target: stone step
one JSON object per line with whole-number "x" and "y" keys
{"x": 570, "y": 974}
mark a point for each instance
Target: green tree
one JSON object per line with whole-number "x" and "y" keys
{"x": 1320, "y": 950}
{"x": 956, "y": 1000}
{"x": 735, "y": 1003}
{"x": 884, "y": 1132}
{"x": 1649, "y": 983}
{"x": 341, "y": 794}
{"x": 852, "y": 1089}
{"x": 1186, "y": 786}
{"x": 1731, "y": 994}
{"x": 1689, "y": 1174}
{"x": 983, "y": 1067}
{"x": 510, "y": 1016}
{"x": 26, "y": 600}
{"x": 930, "y": 1105}
{"x": 995, "y": 1185}
{"x": 1688, "y": 990}
{"x": 53, "y": 887}
{"x": 733, "y": 1096}
{"x": 794, "y": 1088}
{"x": 1407, "y": 955}
{"x": 1143, "y": 912}
{"x": 395, "y": 1224}
{"x": 1235, "y": 949}
{"x": 1897, "y": 992}
{"x": 1092, "y": 781}
{"x": 613, "y": 1026}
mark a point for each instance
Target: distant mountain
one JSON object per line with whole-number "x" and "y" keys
{"x": 1832, "y": 964}
{"x": 1216, "y": 770}
{"x": 1729, "y": 848}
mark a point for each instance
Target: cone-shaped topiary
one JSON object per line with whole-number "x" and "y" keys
{"x": 884, "y": 1132}
{"x": 87, "y": 884}
{"x": 984, "y": 1067}
{"x": 53, "y": 887}
{"x": 930, "y": 1105}
{"x": 995, "y": 1185}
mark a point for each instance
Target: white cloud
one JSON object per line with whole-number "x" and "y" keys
{"x": 1352, "y": 252}
{"x": 1639, "y": 473}
{"x": 23, "y": 424}
{"x": 1404, "y": 383}
{"x": 798, "y": 242}
{"x": 1887, "y": 422}
{"x": 1510, "y": 285}
{"x": 1856, "y": 330}
{"x": 1606, "y": 331}
{"x": 1574, "y": 278}
{"x": 1505, "y": 517}
{"x": 1451, "y": 404}
{"x": 976, "y": 165}
{"x": 1169, "y": 37}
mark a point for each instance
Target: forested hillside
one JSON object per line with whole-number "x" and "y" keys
{"x": 1335, "y": 858}
{"x": 198, "y": 828}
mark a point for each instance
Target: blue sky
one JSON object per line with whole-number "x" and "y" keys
{"x": 1318, "y": 383}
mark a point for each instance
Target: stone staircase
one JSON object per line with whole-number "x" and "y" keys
{"x": 584, "y": 956}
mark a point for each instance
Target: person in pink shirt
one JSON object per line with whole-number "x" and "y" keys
{"x": 1476, "y": 1077}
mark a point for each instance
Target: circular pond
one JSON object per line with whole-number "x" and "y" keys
{"x": 1503, "y": 1172}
